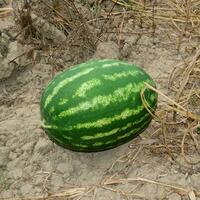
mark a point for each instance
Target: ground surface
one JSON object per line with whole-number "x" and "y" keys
{"x": 32, "y": 166}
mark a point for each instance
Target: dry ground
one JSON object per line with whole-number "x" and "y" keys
{"x": 44, "y": 38}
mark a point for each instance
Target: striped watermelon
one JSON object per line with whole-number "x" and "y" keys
{"x": 96, "y": 105}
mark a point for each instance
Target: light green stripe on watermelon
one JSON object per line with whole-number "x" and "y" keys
{"x": 116, "y": 76}
{"x": 113, "y": 64}
{"x": 91, "y": 63}
{"x": 110, "y": 142}
{"x": 118, "y": 96}
{"x": 128, "y": 134}
{"x": 64, "y": 84}
{"x": 44, "y": 125}
{"x": 98, "y": 144}
{"x": 51, "y": 110}
{"x": 100, "y": 122}
{"x": 124, "y": 136}
{"x": 134, "y": 130}
{"x": 62, "y": 102}
{"x": 80, "y": 145}
{"x": 67, "y": 137}
{"x": 114, "y": 131}
{"x": 86, "y": 87}
{"x": 108, "y": 120}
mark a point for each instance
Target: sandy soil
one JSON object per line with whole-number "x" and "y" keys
{"x": 32, "y": 166}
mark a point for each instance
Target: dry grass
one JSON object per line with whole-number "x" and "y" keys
{"x": 72, "y": 193}
{"x": 63, "y": 16}
{"x": 5, "y": 12}
{"x": 178, "y": 19}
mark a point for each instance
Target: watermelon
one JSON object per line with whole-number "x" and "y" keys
{"x": 96, "y": 105}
